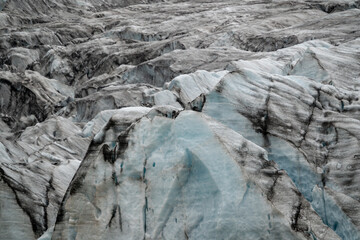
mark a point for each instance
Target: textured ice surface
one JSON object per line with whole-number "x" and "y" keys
{"x": 189, "y": 87}
{"x": 259, "y": 121}
{"x": 2, "y": 4}
{"x": 116, "y": 88}
{"x": 34, "y": 179}
{"x": 166, "y": 178}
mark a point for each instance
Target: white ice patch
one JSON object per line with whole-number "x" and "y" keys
{"x": 4, "y": 155}
{"x": 190, "y": 86}
{"x": 2, "y": 4}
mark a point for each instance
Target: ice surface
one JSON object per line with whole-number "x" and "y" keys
{"x": 2, "y": 4}
{"x": 258, "y": 103}
{"x": 179, "y": 120}
{"x": 171, "y": 179}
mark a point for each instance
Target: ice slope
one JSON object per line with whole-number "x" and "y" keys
{"x": 282, "y": 75}
{"x": 184, "y": 178}
{"x": 2, "y": 4}
{"x": 289, "y": 108}
{"x": 36, "y": 170}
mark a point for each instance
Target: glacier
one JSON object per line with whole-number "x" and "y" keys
{"x": 174, "y": 178}
{"x": 187, "y": 119}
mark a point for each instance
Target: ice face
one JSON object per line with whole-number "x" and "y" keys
{"x": 173, "y": 178}
{"x": 189, "y": 87}
{"x": 10, "y": 214}
{"x": 3, "y": 154}
{"x": 254, "y": 112}
{"x": 37, "y": 176}
{"x": 331, "y": 213}
{"x": 2, "y": 4}
{"x": 191, "y": 121}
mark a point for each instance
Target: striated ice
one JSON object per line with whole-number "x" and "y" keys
{"x": 153, "y": 119}
{"x": 189, "y": 87}
{"x": 258, "y": 120}
{"x": 2, "y": 4}
{"x": 187, "y": 194}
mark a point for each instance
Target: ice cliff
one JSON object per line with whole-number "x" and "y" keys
{"x": 179, "y": 119}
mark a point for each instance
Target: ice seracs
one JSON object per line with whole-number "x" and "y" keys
{"x": 174, "y": 178}
{"x": 179, "y": 119}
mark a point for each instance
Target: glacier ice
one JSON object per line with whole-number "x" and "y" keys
{"x": 173, "y": 178}
{"x": 153, "y": 119}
